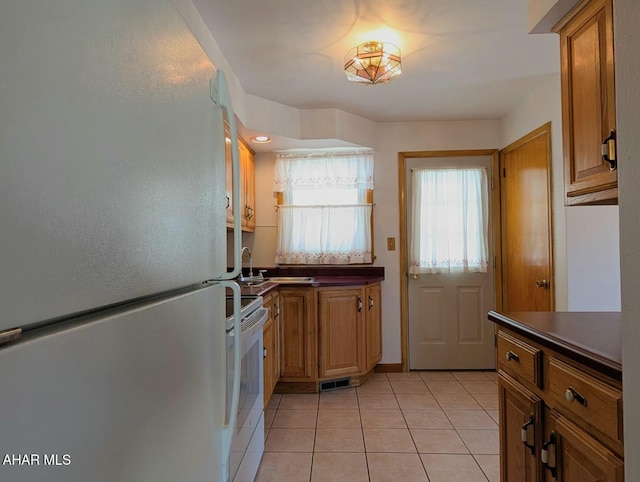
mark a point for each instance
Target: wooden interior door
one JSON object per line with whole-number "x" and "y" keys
{"x": 527, "y": 265}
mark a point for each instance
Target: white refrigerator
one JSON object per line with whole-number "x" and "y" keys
{"x": 112, "y": 245}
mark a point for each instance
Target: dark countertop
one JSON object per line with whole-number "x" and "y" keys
{"x": 320, "y": 281}
{"x": 591, "y": 338}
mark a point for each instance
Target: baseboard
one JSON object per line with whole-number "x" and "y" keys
{"x": 388, "y": 368}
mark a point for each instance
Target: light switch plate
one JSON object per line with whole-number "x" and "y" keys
{"x": 391, "y": 244}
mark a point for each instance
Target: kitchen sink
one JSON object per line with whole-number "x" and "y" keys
{"x": 292, "y": 279}
{"x": 253, "y": 282}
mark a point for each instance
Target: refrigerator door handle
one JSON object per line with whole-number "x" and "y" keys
{"x": 220, "y": 95}
{"x": 229, "y": 429}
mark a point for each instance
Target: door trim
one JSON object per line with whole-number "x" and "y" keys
{"x": 544, "y": 129}
{"x": 495, "y": 206}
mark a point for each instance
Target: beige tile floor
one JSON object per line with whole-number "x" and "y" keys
{"x": 397, "y": 427}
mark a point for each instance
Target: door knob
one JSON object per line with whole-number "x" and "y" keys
{"x": 542, "y": 283}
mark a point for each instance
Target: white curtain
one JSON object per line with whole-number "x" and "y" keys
{"x": 324, "y": 218}
{"x": 450, "y": 221}
{"x": 321, "y": 170}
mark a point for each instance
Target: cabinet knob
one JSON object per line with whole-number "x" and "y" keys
{"x": 542, "y": 283}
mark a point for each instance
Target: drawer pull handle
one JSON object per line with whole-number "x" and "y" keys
{"x": 511, "y": 356}
{"x": 544, "y": 455}
{"x": 524, "y": 434}
{"x": 572, "y": 394}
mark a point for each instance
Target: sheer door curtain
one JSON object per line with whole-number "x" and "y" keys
{"x": 449, "y": 221}
{"x": 324, "y": 217}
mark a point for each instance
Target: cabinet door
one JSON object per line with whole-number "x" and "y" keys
{"x": 576, "y": 455}
{"x": 248, "y": 187}
{"x": 277, "y": 337}
{"x": 269, "y": 358}
{"x": 341, "y": 332}
{"x": 298, "y": 351}
{"x": 373, "y": 326}
{"x": 229, "y": 175}
{"x": 588, "y": 103}
{"x": 520, "y": 431}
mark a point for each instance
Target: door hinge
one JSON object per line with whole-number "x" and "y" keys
{"x": 493, "y": 186}
{"x": 504, "y": 172}
{"x": 495, "y": 339}
{"x": 9, "y": 336}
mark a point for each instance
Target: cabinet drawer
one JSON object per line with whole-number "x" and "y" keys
{"x": 519, "y": 359}
{"x": 593, "y": 401}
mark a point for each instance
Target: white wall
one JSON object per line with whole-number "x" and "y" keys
{"x": 391, "y": 138}
{"x": 402, "y": 137}
{"x": 593, "y": 258}
{"x": 586, "y": 238}
{"x": 627, "y": 38}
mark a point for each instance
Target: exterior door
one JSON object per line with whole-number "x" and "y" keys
{"x": 447, "y": 313}
{"x": 527, "y": 269}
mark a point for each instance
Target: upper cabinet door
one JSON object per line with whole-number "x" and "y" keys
{"x": 588, "y": 104}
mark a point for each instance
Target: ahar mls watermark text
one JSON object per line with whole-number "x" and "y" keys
{"x": 36, "y": 459}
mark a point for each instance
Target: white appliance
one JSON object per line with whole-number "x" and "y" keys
{"x": 113, "y": 354}
{"x": 247, "y": 444}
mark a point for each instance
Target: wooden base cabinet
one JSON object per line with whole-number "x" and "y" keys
{"x": 560, "y": 421}
{"x": 373, "y": 325}
{"x": 341, "y": 332}
{"x": 328, "y": 333}
{"x": 520, "y": 416}
{"x": 299, "y": 347}
{"x": 271, "y": 342}
{"x": 349, "y": 323}
{"x": 573, "y": 455}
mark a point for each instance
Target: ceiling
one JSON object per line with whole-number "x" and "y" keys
{"x": 461, "y": 59}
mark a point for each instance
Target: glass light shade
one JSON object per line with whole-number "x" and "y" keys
{"x": 373, "y": 63}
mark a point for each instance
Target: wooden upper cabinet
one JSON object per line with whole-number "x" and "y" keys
{"x": 247, "y": 183}
{"x": 248, "y": 186}
{"x": 228, "y": 158}
{"x": 588, "y": 103}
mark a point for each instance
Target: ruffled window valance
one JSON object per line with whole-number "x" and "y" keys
{"x": 324, "y": 170}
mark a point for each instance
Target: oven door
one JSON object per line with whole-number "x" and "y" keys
{"x": 251, "y": 402}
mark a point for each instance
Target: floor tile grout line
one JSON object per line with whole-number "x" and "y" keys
{"x": 278, "y": 407}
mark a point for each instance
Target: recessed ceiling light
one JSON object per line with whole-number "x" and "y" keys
{"x": 261, "y": 139}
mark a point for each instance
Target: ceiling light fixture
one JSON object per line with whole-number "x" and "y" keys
{"x": 373, "y": 63}
{"x": 261, "y": 139}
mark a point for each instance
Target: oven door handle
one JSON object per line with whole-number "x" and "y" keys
{"x": 229, "y": 429}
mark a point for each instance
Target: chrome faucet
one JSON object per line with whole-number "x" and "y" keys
{"x": 250, "y": 260}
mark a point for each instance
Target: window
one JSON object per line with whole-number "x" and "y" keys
{"x": 449, "y": 221}
{"x": 325, "y": 212}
